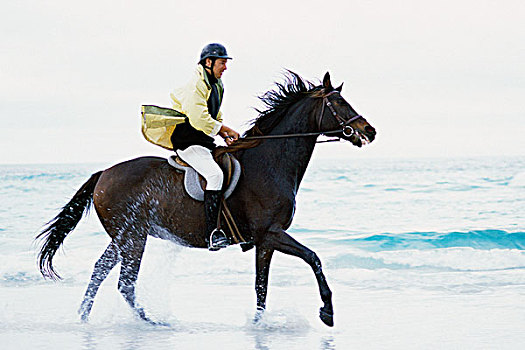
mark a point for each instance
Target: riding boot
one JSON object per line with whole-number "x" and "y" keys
{"x": 215, "y": 237}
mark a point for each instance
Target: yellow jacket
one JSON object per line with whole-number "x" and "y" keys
{"x": 191, "y": 101}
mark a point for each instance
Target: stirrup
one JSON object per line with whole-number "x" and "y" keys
{"x": 220, "y": 242}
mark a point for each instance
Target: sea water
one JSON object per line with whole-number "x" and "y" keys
{"x": 419, "y": 253}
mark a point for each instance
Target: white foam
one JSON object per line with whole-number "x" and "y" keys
{"x": 518, "y": 180}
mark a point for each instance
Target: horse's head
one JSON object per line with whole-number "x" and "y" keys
{"x": 336, "y": 114}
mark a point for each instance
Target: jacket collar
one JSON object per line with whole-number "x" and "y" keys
{"x": 204, "y": 76}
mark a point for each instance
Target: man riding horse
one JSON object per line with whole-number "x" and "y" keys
{"x": 145, "y": 197}
{"x": 200, "y": 101}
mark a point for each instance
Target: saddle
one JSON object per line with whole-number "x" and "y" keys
{"x": 194, "y": 184}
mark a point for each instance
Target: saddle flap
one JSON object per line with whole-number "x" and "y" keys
{"x": 226, "y": 164}
{"x": 194, "y": 184}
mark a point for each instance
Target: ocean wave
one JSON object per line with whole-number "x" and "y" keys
{"x": 20, "y": 279}
{"x": 480, "y": 239}
{"x": 38, "y": 176}
{"x": 443, "y": 260}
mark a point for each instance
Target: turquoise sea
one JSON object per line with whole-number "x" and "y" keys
{"x": 419, "y": 253}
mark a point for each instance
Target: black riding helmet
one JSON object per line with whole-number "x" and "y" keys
{"x": 213, "y": 51}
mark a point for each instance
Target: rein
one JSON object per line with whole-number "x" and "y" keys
{"x": 345, "y": 127}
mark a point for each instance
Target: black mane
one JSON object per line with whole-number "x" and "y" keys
{"x": 279, "y": 100}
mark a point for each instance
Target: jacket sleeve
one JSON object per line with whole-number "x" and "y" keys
{"x": 195, "y": 106}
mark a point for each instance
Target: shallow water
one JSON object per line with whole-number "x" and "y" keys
{"x": 418, "y": 254}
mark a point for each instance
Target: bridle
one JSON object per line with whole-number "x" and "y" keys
{"x": 344, "y": 124}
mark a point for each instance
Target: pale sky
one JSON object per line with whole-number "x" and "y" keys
{"x": 435, "y": 78}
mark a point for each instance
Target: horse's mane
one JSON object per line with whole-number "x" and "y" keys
{"x": 277, "y": 101}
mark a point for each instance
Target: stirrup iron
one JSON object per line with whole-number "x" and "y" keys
{"x": 221, "y": 241}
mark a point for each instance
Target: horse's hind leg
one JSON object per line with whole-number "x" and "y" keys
{"x": 131, "y": 254}
{"x": 103, "y": 266}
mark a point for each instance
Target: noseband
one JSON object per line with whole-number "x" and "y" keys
{"x": 345, "y": 124}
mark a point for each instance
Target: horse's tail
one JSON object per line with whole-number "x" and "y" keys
{"x": 57, "y": 229}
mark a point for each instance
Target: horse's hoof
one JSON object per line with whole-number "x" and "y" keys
{"x": 258, "y": 316}
{"x": 84, "y": 311}
{"x": 153, "y": 323}
{"x": 159, "y": 324}
{"x": 327, "y": 318}
{"x": 141, "y": 314}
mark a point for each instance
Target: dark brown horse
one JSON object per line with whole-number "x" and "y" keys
{"x": 145, "y": 196}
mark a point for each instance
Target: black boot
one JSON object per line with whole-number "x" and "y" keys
{"x": 216, "y": 238}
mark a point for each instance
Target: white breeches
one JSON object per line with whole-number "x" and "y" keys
{"x": 201, "y": 160}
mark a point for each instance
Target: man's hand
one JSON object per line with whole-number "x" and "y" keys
{"x": 229, "y": 135}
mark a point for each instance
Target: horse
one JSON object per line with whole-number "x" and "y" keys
{"x": 145, "y": 196}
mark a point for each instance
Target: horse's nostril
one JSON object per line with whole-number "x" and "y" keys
{"x": 370, "y": 130}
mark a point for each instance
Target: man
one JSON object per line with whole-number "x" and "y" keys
{"x": 200, "y": 101}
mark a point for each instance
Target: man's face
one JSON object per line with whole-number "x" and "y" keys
{"x": 219, "y": 67}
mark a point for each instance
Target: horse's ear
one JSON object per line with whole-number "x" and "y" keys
{"x": 327, "y": 84}
{"x": 340, "y": 87}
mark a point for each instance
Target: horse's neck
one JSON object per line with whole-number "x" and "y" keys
{"x": 286, "y": 159}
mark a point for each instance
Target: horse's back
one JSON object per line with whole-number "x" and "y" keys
{"x": 136, "y": 167}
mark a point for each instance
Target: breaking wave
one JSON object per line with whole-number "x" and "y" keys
{"x": 481, "y": 239}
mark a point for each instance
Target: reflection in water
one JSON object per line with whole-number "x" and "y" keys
{"x": 124, "y": 337}
{"x": 327, "y": 343}
{"x": 273, "y": 340}
{"x": 261, "y": 341}
{"x": 89, "y": 341}
{"x": 281, "y": 329}
{"x": 133, "y": 340}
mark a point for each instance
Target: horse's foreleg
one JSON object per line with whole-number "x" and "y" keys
{"x": 279, "y": 240}
{"x": 131, "y": 252}
{"x": 103, "y": 266}
{"x": 262, "y": 266}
